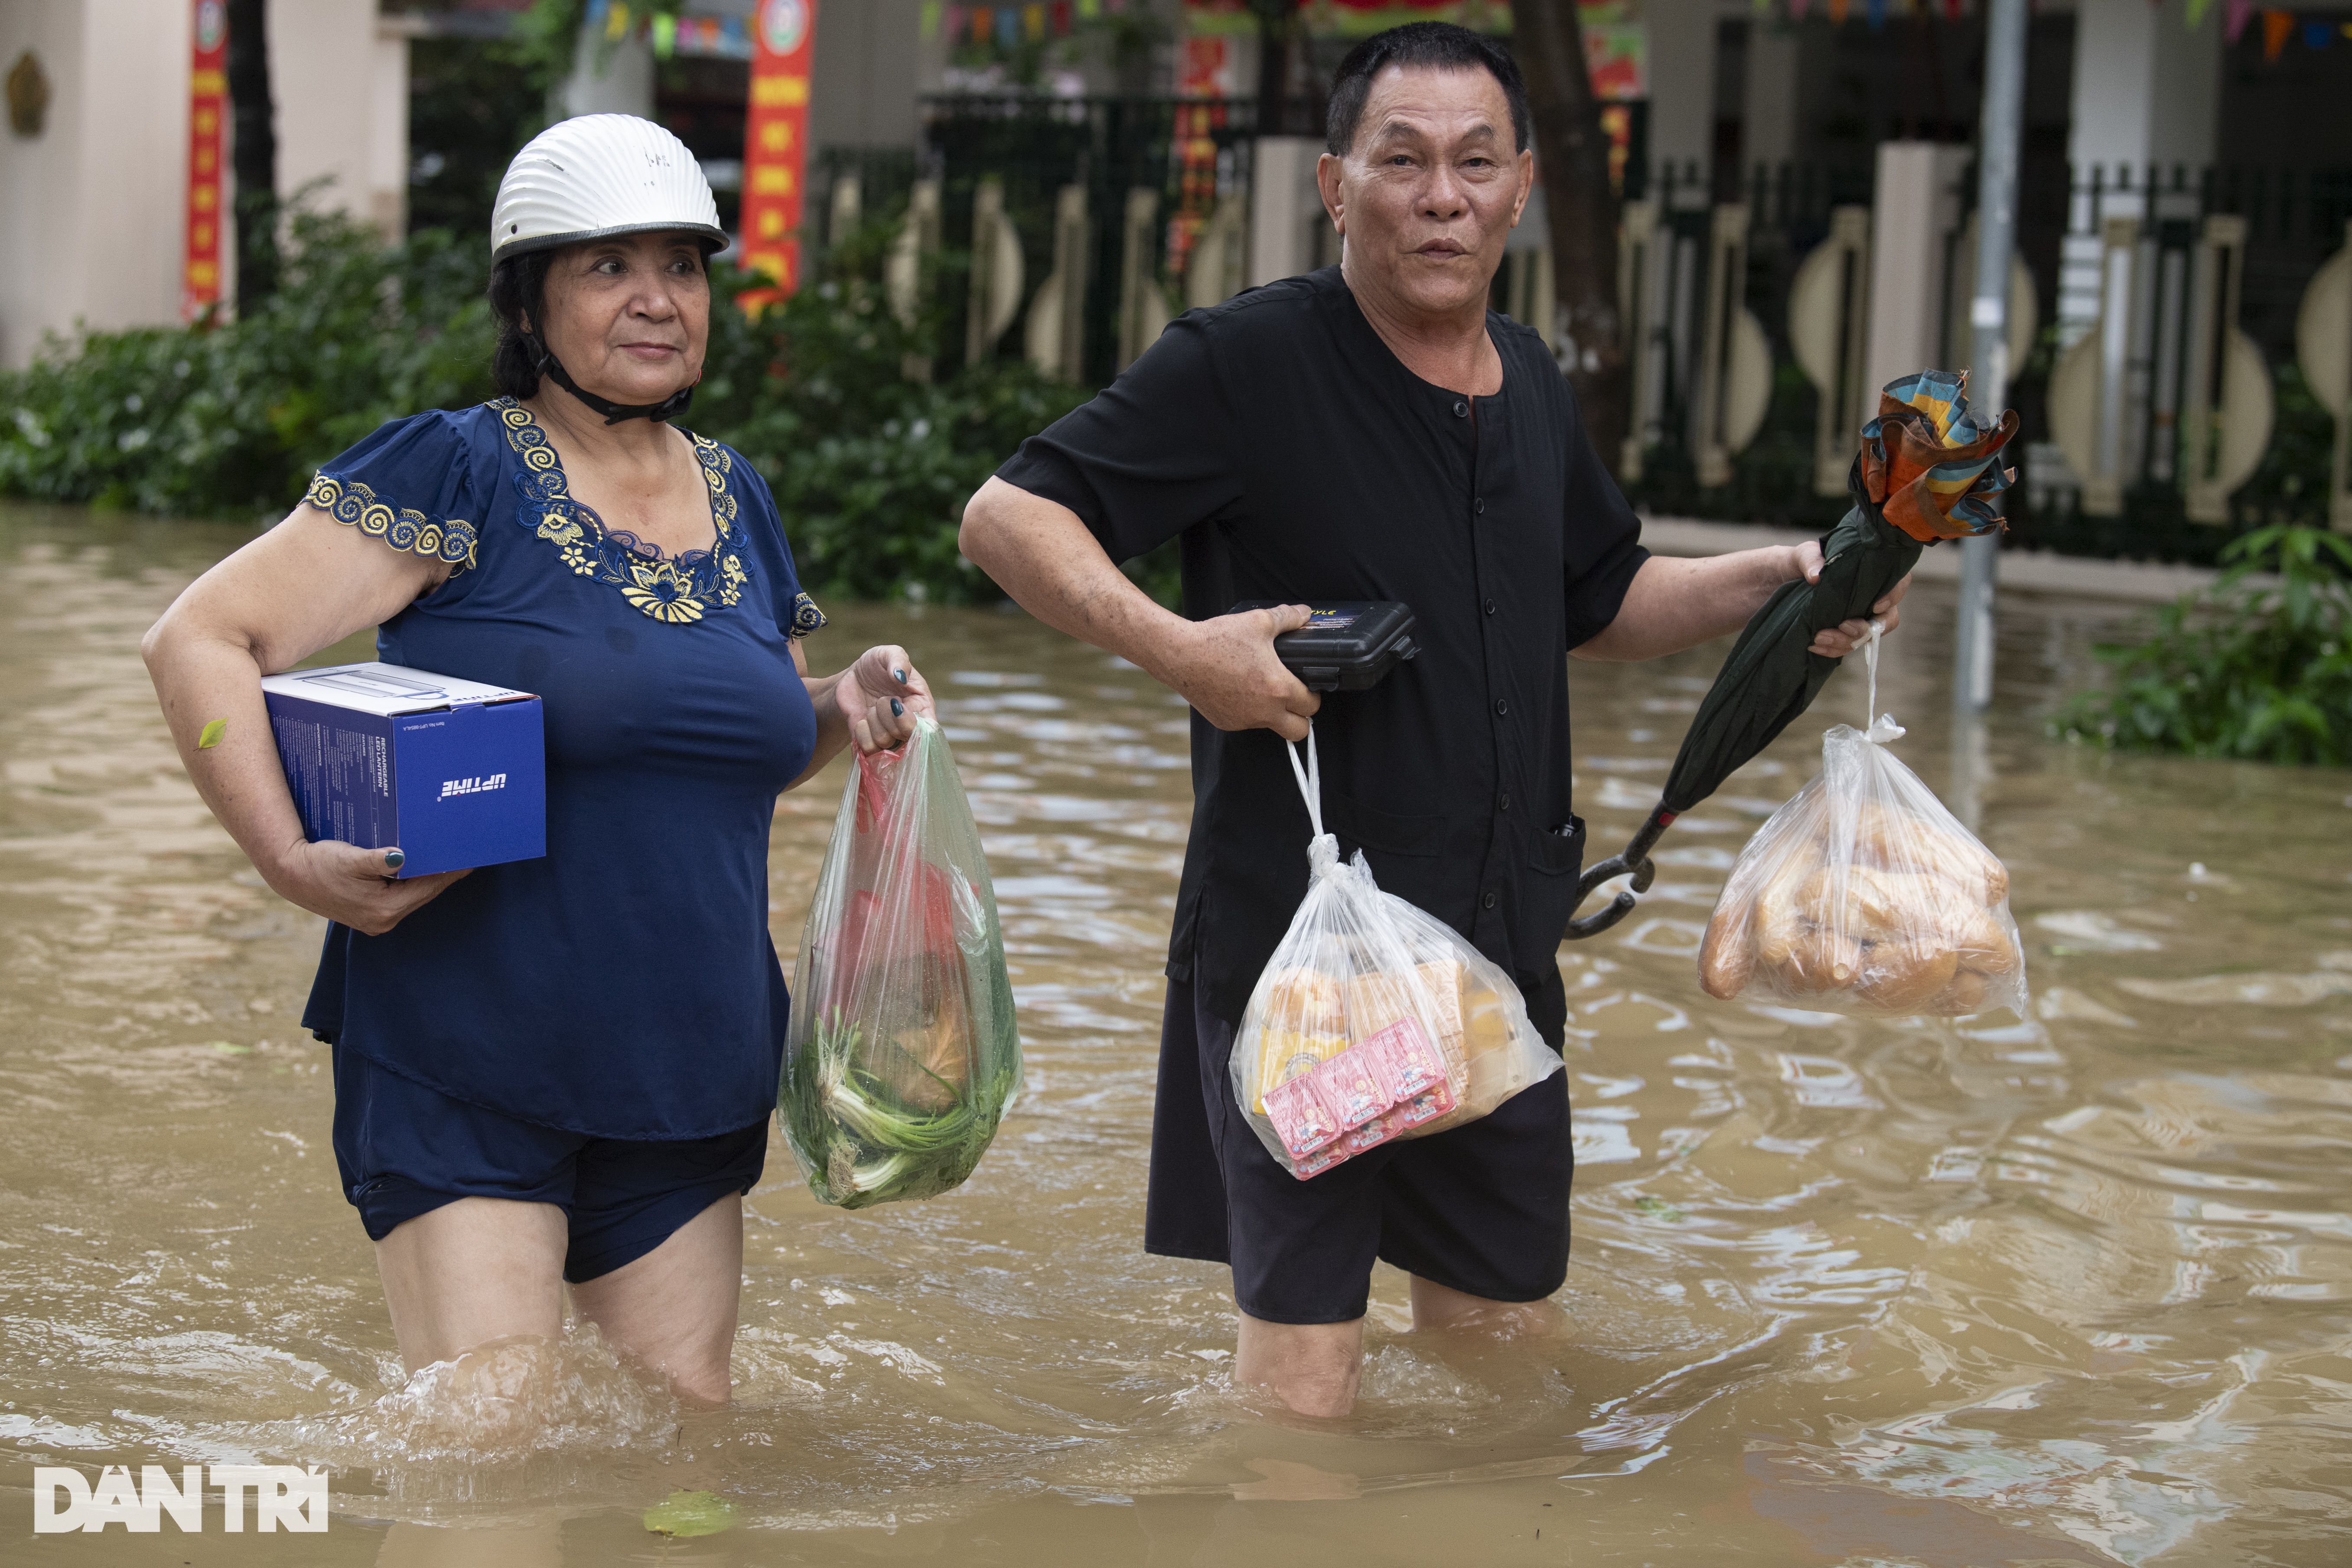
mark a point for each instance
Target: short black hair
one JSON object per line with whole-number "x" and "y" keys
{"x": 1434, "y": 45}
{"x": 518, "y": 293}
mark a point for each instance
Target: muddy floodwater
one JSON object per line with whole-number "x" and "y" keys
{"x": 2075, "y": 1288}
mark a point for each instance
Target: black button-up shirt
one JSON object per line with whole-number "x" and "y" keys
{"x": 1302, "y": 462}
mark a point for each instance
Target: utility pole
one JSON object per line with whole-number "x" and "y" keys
{"x": 2004, "y": 106}
{"x": 254, "y": 155}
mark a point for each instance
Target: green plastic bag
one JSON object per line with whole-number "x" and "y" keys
{"x": 903, "y": 1051}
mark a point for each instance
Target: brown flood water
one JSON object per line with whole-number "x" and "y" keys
{"x": 2075, "y": 1288}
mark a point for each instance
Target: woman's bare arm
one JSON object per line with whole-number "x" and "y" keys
{"x": 306, "y": 584}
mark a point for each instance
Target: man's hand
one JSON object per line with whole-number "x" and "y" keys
{"x": 354, "y": 885}
{"x": 1842, "y": 639}
{"x": 1225, "y": 666}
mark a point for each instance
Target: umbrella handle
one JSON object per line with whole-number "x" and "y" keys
{"x": 1635, "y": 858}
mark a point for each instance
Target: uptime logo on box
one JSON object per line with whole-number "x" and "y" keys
{"x": 472, "y": 786}
{"x": 453, "y": 772}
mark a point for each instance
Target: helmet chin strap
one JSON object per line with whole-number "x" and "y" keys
{"x": 614, "y": 413}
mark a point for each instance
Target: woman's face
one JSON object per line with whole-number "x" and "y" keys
{"x": 629, "y": 316}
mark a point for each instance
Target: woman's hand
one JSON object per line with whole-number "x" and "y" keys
{"x": 354, "y": 885}
{"x": 1837, "y": 641}
{"x": 880, "y": 695}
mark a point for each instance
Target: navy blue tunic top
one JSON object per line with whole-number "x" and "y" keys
{"x": 624, "y": 985}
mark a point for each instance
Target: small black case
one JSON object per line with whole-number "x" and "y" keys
{"x": 1346, "y": 647}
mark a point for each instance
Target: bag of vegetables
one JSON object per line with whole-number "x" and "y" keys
{"x": 1374, "y": 1020}
{"x": 902, "y": 1050}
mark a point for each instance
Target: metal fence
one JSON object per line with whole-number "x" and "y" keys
{"x": 1130, "y": 197}
{"x": 2163, "y": 263}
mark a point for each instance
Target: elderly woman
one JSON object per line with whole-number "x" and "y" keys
{"x": 557, "y": 1070}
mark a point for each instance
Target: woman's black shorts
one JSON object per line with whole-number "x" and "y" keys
{"x": 405, "y": 1150}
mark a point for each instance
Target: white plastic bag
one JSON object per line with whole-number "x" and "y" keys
{"x": 1863, "y": 895}
{"x": 1373, "y": 1020}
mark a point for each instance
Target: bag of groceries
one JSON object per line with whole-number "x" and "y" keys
{"x": 1863, "y": 895}
{"x": 1373, "y": 1020}
{"x": 902, "y": 1050}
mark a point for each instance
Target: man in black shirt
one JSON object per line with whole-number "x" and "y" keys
{"x": 1366, "y": 432}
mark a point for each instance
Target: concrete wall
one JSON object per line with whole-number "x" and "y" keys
{"x": 1682, "y": 80}
{"x": 2145, "y": 88}
{"x": 327, "y": 74}
{"x": 870, "y": 64}
{"x": 91, "y": 210}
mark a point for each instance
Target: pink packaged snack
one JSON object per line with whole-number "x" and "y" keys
{"x": 1414, "y": 1063}
{"x": 1427, "y": 1106}
{"x": 1304, "y": 1120}
{"x": 1353, "y": 1087}
{"x": 1371, "y": 1135}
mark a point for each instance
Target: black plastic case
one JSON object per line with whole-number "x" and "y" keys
{"x": 1346, "y": 647}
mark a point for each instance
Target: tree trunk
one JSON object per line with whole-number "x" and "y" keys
{"x": 256, "y": 156}
{"x": 1273, "y": 29}
{"x": 1572, "y": 158}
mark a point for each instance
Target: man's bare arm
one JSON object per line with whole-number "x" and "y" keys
{"x": 1672, "y": 604}
{"x": 1040, "y": 553}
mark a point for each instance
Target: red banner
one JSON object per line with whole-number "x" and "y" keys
{"x": 200, "y": 269}
{"x": 776, "y": 142}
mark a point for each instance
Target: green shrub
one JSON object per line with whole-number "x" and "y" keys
{"x": 2244, "y": 669}
{"x": 870, "y": 462}
{"x": 218, "y": 420}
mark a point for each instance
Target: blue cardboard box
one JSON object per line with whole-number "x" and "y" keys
{"x": 453, "y": 771}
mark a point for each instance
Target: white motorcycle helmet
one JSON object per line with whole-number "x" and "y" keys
{"x": 590, "y": 178}
{"x": 597, "y": 175}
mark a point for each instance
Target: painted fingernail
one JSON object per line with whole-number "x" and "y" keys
{"x": 393, "y": 860}
{"x": 897, "y": 710}
{"x": 901, "y": 675}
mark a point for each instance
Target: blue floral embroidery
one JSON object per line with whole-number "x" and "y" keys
{"x": 450, "y": 539}
{"x": 807, "y": 616}
{"x": 673, "y": 588}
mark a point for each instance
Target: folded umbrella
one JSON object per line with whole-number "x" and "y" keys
{"x": 1927, "y": 471}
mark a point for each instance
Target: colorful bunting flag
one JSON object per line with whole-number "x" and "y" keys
{"x": 775, "y": 144}
{"x": 2196, "y": 10}
{"x": 1838, "y": 10}
{"x": 1877, "y": 13}
{"x": 2235, "y": 14}
{"x": 2276, "y": 27}
{"x": 200, "y": 266}
{"x": 2317, "y": 35}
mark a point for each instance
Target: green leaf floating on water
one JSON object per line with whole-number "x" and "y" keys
{"x": 685, "y": 1514}
{"x": 230, "y": 1048}
{"x": 1658, "y": 1208}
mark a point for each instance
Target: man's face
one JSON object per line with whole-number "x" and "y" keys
{"x": 1429, "y": 192}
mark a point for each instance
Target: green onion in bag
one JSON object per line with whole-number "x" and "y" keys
{"x": 903, "y": 1050}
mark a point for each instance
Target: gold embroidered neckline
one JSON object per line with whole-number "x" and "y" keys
{"x": 678, "y": 589}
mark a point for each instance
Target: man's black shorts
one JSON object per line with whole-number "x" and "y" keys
{"x": 1483, "y": 1208}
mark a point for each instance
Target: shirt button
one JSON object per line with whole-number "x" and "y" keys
{"x": 1488, "y": 903}
{"x": 1501, "y": 707}
{"x": 1505, "y": 802}
{"x": 1461, "y": 409}
{"x": 1480, "y": 506}
{"x": 1490, "y": 606}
